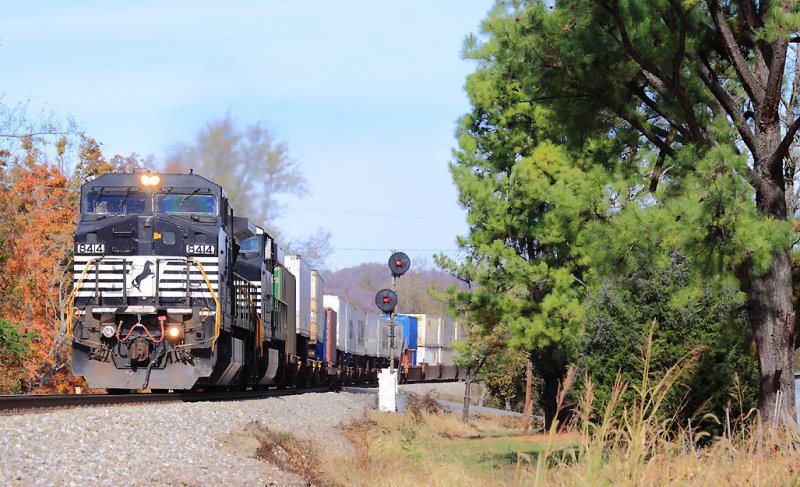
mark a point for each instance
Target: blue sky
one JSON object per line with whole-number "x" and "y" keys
{"x": 365, "y": 94}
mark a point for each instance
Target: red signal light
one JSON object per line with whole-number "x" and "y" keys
{"x": 386, "y": 300}
{"x": 399, "y": 263}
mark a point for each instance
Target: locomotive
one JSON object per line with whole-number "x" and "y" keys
{"x": 172, "y": 290}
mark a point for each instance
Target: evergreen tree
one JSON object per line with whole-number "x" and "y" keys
{"x": 689, "y": 95}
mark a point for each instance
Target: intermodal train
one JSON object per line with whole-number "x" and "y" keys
{"x": 174, "y": 291}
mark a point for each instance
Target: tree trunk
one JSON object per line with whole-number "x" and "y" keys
{"x": 467, "y": 386}
{"x": 528, "y": 386}
{"x": 769, "y": 295}
{"x": 550, "y": 383}
{"x": 772, "y": 317}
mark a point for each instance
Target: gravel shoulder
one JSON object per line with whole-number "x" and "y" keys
{"x": 180, "y": 444}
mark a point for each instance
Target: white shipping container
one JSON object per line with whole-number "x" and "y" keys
{"x": 373, "y": 332}
{"x": 428, "y": 355}
{"x": 302, "y": 274}
{"x": 360, "y": 331}
{"x": 317, "y": 315}
{"x": 384, "y": 349}
{"x": 446, "y": 356}
{"x": 427, "y": 331}
{"x": 447, "y": 331}
{"x": 344, "y": 313}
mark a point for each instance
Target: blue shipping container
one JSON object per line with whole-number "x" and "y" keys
{"x": 409, "y": 334}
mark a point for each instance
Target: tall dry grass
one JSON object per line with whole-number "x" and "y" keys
{"x": 638, "y": 442}
{"x": 632, "y": 440}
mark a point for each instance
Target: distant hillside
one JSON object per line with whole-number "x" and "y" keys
{"x": 360, "y": 283}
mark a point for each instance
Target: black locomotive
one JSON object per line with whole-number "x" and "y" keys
{"x": 172, "y": 290}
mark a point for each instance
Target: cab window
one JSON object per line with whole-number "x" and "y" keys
{"x": 114, "y": 203}
{"x": 250, "y": 245}
{"x": 185, "y": 204}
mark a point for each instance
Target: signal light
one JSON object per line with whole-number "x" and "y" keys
{"x": 150, "y": 179}
{"x": 399, "y": 263}
{"x": 386, "y": 300}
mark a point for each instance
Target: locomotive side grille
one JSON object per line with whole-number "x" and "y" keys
{"x": 136, "y": 274}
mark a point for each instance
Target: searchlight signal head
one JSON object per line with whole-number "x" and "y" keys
{"x": 386, "y": 300}
{"x": 399, "y": 263}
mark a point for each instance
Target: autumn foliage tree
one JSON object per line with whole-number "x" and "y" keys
{"x": 37, "y": 221}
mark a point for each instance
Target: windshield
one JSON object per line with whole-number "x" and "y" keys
{"x": 186, "y": 204}
{"x": 104, "y": 203}
{"x": 250, "y": 245}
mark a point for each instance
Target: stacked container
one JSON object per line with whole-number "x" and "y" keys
{"x": 329, "y": 336}
{"x": 317, "y": 318}
{"x": 302, "y": 273}
{"x": 428, "y": 339}
{"x": 373, "y": 338}
{"x": 406, "y": 340}
{"x": 345, "y": 333}
{"x": 284, "y": 304}
{"x": 359, "y": 322}
{"x": 384, "y": 329}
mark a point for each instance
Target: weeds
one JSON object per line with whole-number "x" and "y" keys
{"x": 290, "y": 454}
{"x": 634, "y": 439}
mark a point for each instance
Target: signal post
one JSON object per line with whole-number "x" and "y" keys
{"x": 386, "y": 301}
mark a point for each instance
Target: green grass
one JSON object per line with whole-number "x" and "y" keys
{"x": 492, "y": 453}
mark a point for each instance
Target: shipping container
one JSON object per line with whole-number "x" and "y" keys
{"x": 406, "y": 338}
{"x": 428, "y": 334}
{"x": 446, "y": 331}
{"x": 329, "y": 336}
{"x": 446, "y": 356}
{"x": 384, "y": 338}
{"x": 317, "y": 290}
{"x": 373, "y": 335}
{"x": 345, "y": 332}
{"x": 360, "y": 331}
{"x": 428, "y": 355}
{"x": 284, "y": 303}
{"x": 302, "y": 274}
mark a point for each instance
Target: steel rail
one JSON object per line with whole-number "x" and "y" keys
{"x": 33, "y": 402}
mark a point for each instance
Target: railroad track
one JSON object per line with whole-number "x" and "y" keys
{"x": 23, "y": 403}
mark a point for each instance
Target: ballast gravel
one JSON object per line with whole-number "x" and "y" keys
{"x": 179, "y": 444}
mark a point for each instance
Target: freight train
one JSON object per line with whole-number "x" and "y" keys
{"x": 174, "y": 291}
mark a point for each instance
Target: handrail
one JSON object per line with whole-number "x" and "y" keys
{"x": 74, "y": 292}
{"x": 216, "y": 301}
{"x": 260, "y": 331}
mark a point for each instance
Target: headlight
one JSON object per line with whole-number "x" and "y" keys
{"x": 150, "y": 179}
{"x": 108, "y": 331}
{"x": 174, "y": 332}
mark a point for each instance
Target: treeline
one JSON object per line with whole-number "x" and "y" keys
{"x": 629, "y": 172}
{"x": 420, "y": 290}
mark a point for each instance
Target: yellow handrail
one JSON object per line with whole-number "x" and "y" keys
{"x": 72, "y": 295}
{"x": 260, "y": 331}
{"x": 216, "y": 301}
